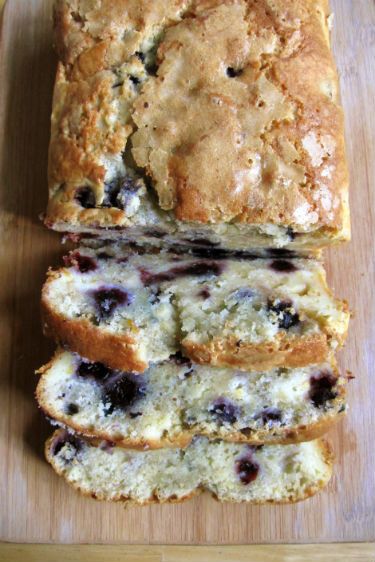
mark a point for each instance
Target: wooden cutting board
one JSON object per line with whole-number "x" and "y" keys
{"x": 38, "y": 507}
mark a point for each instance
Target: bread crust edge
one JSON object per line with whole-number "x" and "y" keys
{"x": 326, "y": 450}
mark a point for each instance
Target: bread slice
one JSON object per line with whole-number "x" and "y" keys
{"x": 231, "y": 472}
{"x": 175, "y": 400}
{"x": 127, "y": 310}
{"x": 169, "y": 126}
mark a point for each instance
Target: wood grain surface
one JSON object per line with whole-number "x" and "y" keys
{"x": 38, "y": 507}
{"x": 346, "y": 552}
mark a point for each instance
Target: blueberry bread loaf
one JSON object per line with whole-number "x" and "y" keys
{"x": 231, "y": 472}
{"x": 175, "y": 400}
{"x": 127, "y": 310}
{"x": 209, "y": 123}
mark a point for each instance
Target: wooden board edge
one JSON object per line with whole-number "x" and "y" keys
{"x": 30, "y": 552}
{"x": 2, "y": 10}
{"x": 350, "y": 552}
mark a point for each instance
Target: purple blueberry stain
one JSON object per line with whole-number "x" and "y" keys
{"x": 118, "y": 193}
{"x": 140, "y": 55}
{"x": 123, "y": 259}
{"x": 85, "y": 197}
{"x": 202, "y": 242}
{"x": 155, "y": 296}
{"x": 204, "y": 293}
{"x": 269, "y": 415}
{"x": 247, "y": 431}
{"x": 96, "y": 371}
{"x": 152, "y": 68}
{"x": 247, "y": 469}
{"x": 121, "y": 391}
{"x": 281, "y": 253}
{"x": 84, "y": 264}
{"x": 197, "y": 269}
{"x": 224, "y": 410}
{"x": 155, "y": 233}
{"x": 180, "y": 359}
{"x": 134, "y": 79}
{"x": 283, "y": 266}
{"x": 71, "y": 409}
{"x": 321, "y": 388}
{"x": 117, "y": 84}
{"x": 285, "y": 313}
{"x": 244, "y": 293}
{"x": 103, "y": 256}
{"x": 206, "y": 252}
{"x": 107, "y": 446}
{"x": 210, "y": 253}
{"x": 222, "y": 254}
{"x": 234, "y": 72}
{"x": 65, "y": 438}
{"x": 107, "y": 299}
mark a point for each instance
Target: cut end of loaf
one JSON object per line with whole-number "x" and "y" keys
{"x": 231, "y": 472}
{"x": 175, "y": 400}
{"x": 128, "y": 310}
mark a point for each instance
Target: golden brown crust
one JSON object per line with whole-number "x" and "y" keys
{"x": 272, "y": 134}
{"x": 292, "y": 128}
{"x": 283, "y": 351}
{"x": 123, "y": 350}
{"x": 80, "y": 29}
{"x": 93, "y": 94}
{"x": 76, "y": 159}
{"x": 285, "y": 436}
{"x": 300, "y": 434}
{"x": 325, "y": 447}
{"x": 154, "y": 499}
{"x": 92, "y": 342}
{"x": 120, "y": 351}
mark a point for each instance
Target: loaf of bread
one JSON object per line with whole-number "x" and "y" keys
{"x": 231, "y": 472}
{"x": 127, "y": 310}
{"x": 175, "y": 400}
{"x": 213, "y": 123}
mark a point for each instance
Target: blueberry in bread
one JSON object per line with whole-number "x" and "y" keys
{"x": 176, "y": 400}
{"x": 229, "y": 471}
{"x": 128, "y": 310}
{"x": 214, "y": 123}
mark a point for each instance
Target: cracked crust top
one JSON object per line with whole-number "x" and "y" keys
{"x": 240, "y": 123}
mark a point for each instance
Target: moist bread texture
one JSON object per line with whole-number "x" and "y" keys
{"x": 230, "y": 472}
{"x": 208, "y": 122}
{"x": 175, "y": 400}
{"x": 127, "y": 310}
